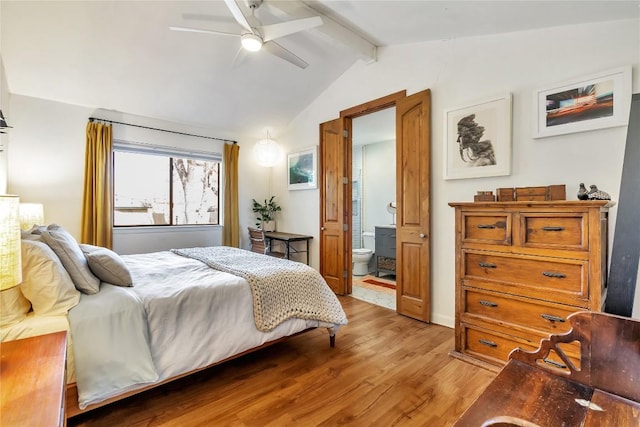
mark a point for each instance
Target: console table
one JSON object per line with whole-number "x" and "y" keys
{"x": 287, "y": 239}
{"x": 33, "y": 376}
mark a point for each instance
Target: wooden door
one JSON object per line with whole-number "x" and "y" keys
{"x": 413, "y": 238}
{"x": 335, "y": 247}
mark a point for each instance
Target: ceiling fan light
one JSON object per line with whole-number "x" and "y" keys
{"x": 251, "y": 42}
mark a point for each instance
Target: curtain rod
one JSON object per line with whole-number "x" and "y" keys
{"x": 162, "y": 130}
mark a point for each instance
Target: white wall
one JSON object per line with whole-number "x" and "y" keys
{"x": 462, "y": 71}
{"x": 379, "y": 183}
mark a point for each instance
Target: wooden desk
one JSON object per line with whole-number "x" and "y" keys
{"x": 33, "y": 381}
{"x": 287, "y": 239}
{"x": 545, "y": 388}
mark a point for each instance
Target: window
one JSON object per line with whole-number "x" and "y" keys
{"x": 157, "y": 186}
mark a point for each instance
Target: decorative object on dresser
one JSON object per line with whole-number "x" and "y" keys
{"x": 582, "y": 192}
{"x": 385, "y": 252}
{"x": 529, "y": 194}
{"x": 33, "y": 381}
{"x": 484, "y": 196}
{"x": 595, "y": 194}
{"x": 521, "y": 269}
{"x": 602, "y": 390}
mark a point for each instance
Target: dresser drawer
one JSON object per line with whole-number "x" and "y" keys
{"x": 494, "y": 347}
{"x": 562, "y": 280}
{"x": 510, "y": 312}
{"x": 554, "y": 231}
{"x": 490, "y": 346}
{"x": 493, "y": 228}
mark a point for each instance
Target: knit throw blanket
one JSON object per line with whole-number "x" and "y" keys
{"x": 281, "y": 289}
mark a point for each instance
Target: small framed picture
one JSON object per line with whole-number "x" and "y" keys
{"x": 592, "y": 102}
{"x": 477, "y": 139}
{"x": 302, "y": 169}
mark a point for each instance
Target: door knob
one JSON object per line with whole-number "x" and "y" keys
{"x": 321, "y": 228}
{"x": 421, "y": 235}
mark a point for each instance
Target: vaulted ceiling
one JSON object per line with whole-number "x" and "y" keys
{"x": 121, "y": 55}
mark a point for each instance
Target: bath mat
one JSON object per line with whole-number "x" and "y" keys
{"x": 380, "y": 283}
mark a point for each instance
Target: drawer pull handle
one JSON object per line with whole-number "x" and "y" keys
{"x": 552, "y": 228}
{"x": 490, "y": 226}
{"x": 554, "y": 363}
{"x": 488, "y": 303}
{"x": 552, "y": 318}
{"x": 488, "y": 343}
{"x": 554, "y": 274}
{"x": 487, "y": 265}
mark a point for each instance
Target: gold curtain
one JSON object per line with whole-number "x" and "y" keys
{"x": 97, "y": 212}
{"x": 231, "y": 226}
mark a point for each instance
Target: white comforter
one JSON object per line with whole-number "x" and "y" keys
{"x": 195, "y": 316}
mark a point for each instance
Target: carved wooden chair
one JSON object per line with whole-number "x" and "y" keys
{"x": 589, "y": 376}
{"x": 260, "y": 244}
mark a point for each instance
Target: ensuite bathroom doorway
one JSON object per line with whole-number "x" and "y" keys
{"x": 373, "y": 193}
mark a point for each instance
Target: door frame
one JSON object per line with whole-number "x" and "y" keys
{"x": 347, "y": 117}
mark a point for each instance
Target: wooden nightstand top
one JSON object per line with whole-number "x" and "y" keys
{"x": 32, "y": 380}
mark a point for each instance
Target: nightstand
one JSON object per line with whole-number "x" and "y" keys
{"x": 33, "y": 380}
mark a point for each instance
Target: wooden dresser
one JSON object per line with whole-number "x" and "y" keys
{"x": 521, "y": 269}
{"x": 33, "y": 381}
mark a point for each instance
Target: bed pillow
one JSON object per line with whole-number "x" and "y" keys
{"x": 13, "y": 306}
{"x": 45, "y": 282}
{"x": 107, "y": 265}
{"x": 73, "y": 260}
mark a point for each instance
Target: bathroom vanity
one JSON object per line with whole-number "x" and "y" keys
{"x": 385, "y": 249}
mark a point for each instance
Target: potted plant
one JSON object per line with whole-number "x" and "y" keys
{"x": 266, "y": 213}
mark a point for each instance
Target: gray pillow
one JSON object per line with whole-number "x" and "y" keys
{"x": 107, "y": 265}
{"x": 68, "y": 250}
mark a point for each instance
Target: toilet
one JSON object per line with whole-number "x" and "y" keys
{"x": 361, "y": 257}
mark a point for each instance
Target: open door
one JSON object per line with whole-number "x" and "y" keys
{"x": 335, "y": 248}
{"x": 413, "y": 190}
{"x": 413, "y": 219}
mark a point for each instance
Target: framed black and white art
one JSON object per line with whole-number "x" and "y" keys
{"x": 477, "y": 139}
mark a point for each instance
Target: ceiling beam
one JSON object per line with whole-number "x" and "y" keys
{"x": 362, "y": 48}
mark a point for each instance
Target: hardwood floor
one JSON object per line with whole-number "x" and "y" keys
{"x": 386, "y": 370}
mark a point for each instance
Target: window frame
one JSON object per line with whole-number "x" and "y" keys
{"x": 168, "y": 152}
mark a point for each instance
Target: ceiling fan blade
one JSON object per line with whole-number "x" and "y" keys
{"x": 279, "y": 51}
{"x": 198, "y": 30}
{"x": 273, "y": 31}
{"x": 237, "y": 13}
{"x": 239, "y": 58}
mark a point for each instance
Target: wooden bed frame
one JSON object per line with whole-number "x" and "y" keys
{"x": 72, "y": 408}
{"x": 548, "y": 387}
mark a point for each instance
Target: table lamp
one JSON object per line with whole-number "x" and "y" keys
{"x": 31, "y": 214}
{"x": 10, "y": 268}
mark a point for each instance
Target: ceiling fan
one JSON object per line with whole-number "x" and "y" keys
{"x": 258, "y": 36}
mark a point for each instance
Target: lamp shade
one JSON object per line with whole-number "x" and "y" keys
{"x": 31, "y": 214}
{"x": 266, "y": 152}
{"x": 10, "y": 267}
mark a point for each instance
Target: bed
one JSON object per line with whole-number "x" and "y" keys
{"x": 137, "y": 321}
